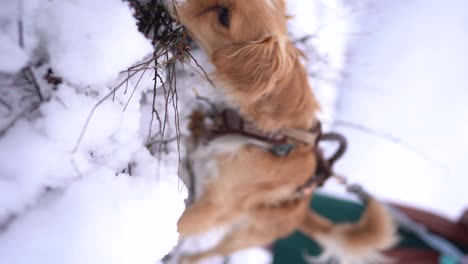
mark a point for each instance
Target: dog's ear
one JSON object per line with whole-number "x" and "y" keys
{"x": 255, "y": 68}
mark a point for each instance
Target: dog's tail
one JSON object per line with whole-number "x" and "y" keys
{"x": 359, "y": 242}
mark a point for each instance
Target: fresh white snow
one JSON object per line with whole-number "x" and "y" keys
{"x": 90, "y": 41}
{"x": 406, "y": 80}
{"x": 106, "y": 199}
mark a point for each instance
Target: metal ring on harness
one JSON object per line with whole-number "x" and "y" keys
{"x": 324, "y": 165}
{"x": 342, "y": 145}
{"x": 324, "y": 168}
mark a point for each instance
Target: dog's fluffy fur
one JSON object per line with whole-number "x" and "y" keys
{"x": 260, "y": 71}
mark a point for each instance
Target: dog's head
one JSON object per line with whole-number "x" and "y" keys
{"x": 256, "y": 62}
{"x": 216, "y": 24}
{"x": 246, "y": 40}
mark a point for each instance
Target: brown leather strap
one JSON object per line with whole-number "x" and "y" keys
{"x": 229, "y": 121}
{"x": 308, "y": 137}
{"x": 233, "y": 123}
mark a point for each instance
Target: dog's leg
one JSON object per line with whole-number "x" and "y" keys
{"x": 266, "y": 224}
{"x": 359, "y": 241}
{"x": 202, "y": 216}
{"x": 196, "y": 218}
{"x": 315, "y": 224}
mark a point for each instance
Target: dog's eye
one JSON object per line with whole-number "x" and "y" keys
{"x": 223, "y": 16}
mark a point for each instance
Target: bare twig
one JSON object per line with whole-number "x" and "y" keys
{"x": 136, "y": 86}
{"x": 20, "y": 25}
{"x": 29, "y": 73}
{"x": 17, "y": 118}
{"x": 175, "y": 103}
{"x": 129, "y": 168}
{"x": 90, "y": 115}
{"x": 136, "y": 67}
{"x": 389, "y": 137}
{"x": 126, "y": 84}
{"x": 6, "y": 105}
{"x": 203, "y": 70}
{"x": 154, "y": 111}
{"x": 160, "y": 142}
{"x": 20, "y": 33}
{"x": 159, "y": 66}
{"x": 6, "y": 223}
{"x": 171, "y": 45}
{"x": 166, "y": 99}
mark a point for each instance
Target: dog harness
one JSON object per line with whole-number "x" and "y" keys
{"x": 280, "y": 143}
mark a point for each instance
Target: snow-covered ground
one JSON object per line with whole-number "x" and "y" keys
{"x": 406, "y": 79}
{"x": 105, "y": 199}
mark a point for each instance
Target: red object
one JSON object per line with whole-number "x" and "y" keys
{"x": 413, "y": 256}
{"x": 454, "y": 231}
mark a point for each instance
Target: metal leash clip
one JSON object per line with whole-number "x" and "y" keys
{"x": 353, "y": 188}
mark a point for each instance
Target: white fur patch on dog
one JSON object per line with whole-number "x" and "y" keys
{"x": 271, "y": 3}
{"x": 203, "y": 242}
{"x": 203, "y": 159}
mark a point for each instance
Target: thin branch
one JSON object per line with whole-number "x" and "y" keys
{"x": 140, "y": 64}
{"x": 160, "y": 65}
{"x": 126, "y": 84}
{"x": 203, "y": 70}
{"x": 154, "y": 111}
{"x": 175, "y": 104}
{"x": 6, "y": 105}
{"x": 6, "y": 223}
{"x": 389, "y": 137}
{"x": 129, "y": 168}
{"x": 17, "y": 118}
{"x": 368, "y": 130}
{"x": 134, "y": 89}
{"x": 20, "y": 25}
{"x": 166, "y": 98}
{"x": 160, "y": 142}
{"x": 20, "y": 33}
{"x": 90, "y": 115}
{"x": 32, "y": 76}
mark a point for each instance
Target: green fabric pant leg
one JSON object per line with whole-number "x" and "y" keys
{"x": 291, "y": 250}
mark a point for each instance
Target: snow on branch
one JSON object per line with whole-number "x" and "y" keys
{"x": 79, "y": 178}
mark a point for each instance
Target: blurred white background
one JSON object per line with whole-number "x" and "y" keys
{"x": 406, "y": 79}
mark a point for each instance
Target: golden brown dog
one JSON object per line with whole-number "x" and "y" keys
{"x": 242, "y": 187}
